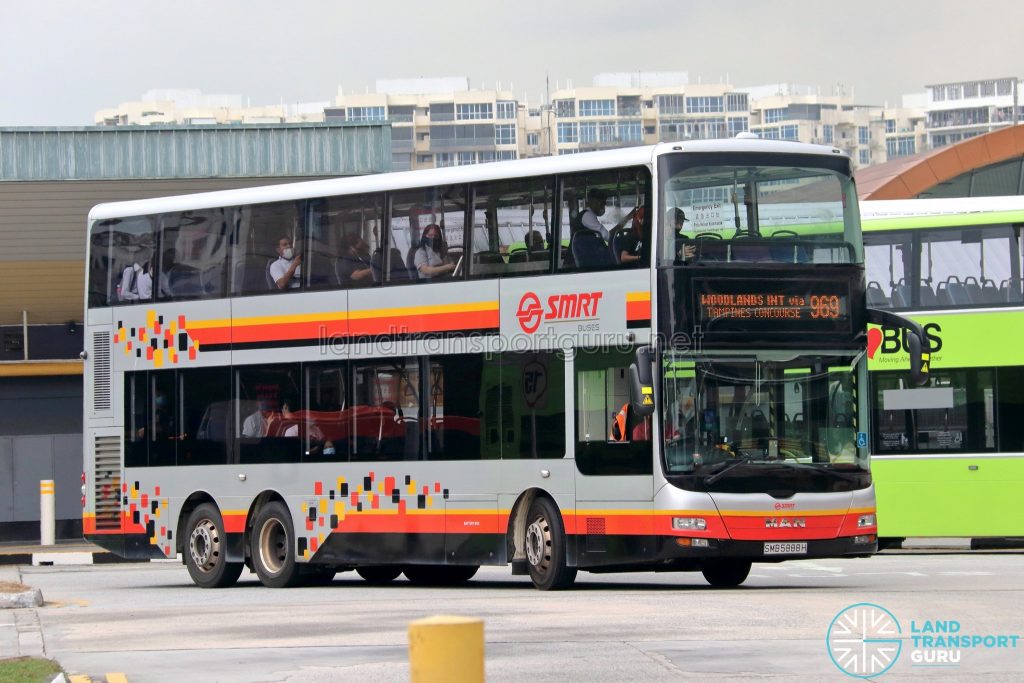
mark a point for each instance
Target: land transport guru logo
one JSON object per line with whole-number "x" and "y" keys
{"x": 866, "y": 640}
{"x": 560, "y": 308}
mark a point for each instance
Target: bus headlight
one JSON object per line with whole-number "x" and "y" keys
{"x": 865, "y": 520}
{"x": 689, "y": 523}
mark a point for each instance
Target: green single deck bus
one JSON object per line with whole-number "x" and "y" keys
{"x": 948, "y": 458}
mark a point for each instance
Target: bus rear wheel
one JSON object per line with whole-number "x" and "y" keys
{"x": 440, "y": 575}
{"x": 272, "y": 547}
{"x": 206, "y": 555}
{"x": 378, "y": 576}
{"x": 546, "y": 547}
{"x": 726, "y": 573}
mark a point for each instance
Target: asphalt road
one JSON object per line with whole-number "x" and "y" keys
{"x": 150, "y": 622}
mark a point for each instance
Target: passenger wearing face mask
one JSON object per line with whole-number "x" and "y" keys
{"x": 430, "y": 256}
{"x": 286, "y": 271}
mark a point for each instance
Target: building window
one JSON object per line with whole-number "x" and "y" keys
{"x": 737, "y": 125}
{"x": 774, "y": 115}
{"x": 466, "y": 158}
{"x": 828, "y": 133}
{"x": 565, "y": 108}
{"x": 864, "y": 156}
{"x": 485, "y": 157}
{"x": 670, "y": 104}
{"x": 505, "y": 134}
{"x": 533, "y": 139}
{"x": 366, "y": 114}
{"x": 791, "y": 132}
{"x": 630, "y": 132}
{"x": 863, "y": 135}
{"x": 588, "y": 132}
{"x": 704, "y": 105}
{"x": 988, "y": 89}
{"x": 444, "y": 159}
{"x": 770, "y": 134}
{"x": 736, "y": 101}
{"x": 506, "y": 110}
{"x": 890, "y": 125}
{"x": 901, "y": 146}
{"x": 474, "y": 111}
{"x": 507, "y": 155}
{"x": 568, "y": 132}
{"x": 597, "y": 108}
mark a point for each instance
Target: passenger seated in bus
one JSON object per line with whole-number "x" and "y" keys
{"x": 286, "y": 271}
{"x": 136, "y": 283}
{"x": 429, "y": 258}
{"x": 258, "y": 425}
{"x": 356, "y": 266}
{"x": 588, "y": 218}
{"x": 630, "y": 244}
{"x": 534, "y": 241}
{"x": 676, "y": 219}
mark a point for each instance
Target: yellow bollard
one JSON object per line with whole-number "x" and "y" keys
{"x": 446, "y": 648}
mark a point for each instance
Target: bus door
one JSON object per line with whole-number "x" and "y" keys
{"x": 614, "y": 461}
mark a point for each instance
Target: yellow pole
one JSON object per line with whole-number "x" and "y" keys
{"x": 446, "y": 648}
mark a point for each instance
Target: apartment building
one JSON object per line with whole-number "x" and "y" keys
{"x": 961, "y": 110}
{"x": 437, "y": 122}
{"x": 192, "y": 107}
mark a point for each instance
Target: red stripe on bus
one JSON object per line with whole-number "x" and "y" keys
{"x": 638, "y": 310}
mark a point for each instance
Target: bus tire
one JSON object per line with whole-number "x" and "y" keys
{"x": 273, "y": 547}
{"x": 379, "y": 575}
{"x": 439, "y": 574}
{"x": 206, "y": 549}
{"x": 546, "y": 547}
{"x": 726, "y": 573}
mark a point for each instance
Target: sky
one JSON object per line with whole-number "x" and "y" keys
{"x": 62, "y": 61}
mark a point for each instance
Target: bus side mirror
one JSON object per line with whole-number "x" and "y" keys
{"x": 641, "y": 382}
{"x": 920, "y": 358}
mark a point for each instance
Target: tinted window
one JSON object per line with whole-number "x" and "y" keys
{"x": 454, "y": 409}
{"x": 386, "y": 410}
{"x": 206, "y": 411}
{"x": 344, "y": 241}
{"x": 511, "y": 232}
{"x": 531, "y": 421}
{"x": 194, "y": 253}
{"x": 264, "y": 231}
{"x": 603, "y": 214}
{"x": 326, "y": 424}
{"x": 261, "y": 396}
{"x": 121, "y": 261}
{"x": 428, "y": 212}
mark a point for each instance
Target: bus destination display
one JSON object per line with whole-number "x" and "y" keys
{"x": 773, "y": 306}
{"x": 734, "y": 308}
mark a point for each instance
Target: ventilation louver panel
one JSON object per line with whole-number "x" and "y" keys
{"x": 107, "y": 478}
{"x": 101, "y": 371}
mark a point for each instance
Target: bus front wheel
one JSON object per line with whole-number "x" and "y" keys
{"x": 726, "y": 573}
{"x": 273, "y": 547}
{"x": 206, "y": 555}
{"x": 546, "y": 547}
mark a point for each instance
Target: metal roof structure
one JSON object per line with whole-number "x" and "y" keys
{"x": 169, "y": 152}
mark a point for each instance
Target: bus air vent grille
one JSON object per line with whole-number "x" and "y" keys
{"x": 107, "y": 471}
{"x": 101, "y": 371}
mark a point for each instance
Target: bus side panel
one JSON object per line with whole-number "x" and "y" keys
{"x": 970, "y": 496}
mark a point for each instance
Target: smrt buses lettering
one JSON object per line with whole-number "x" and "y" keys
{"x": 569, "y": 306}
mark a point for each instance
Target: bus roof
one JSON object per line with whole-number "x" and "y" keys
{"x": 903, "y": 214}
{"x": 570, "y": 163}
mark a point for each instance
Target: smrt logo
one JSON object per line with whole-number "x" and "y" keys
{"x": 559, "y": 308}
{"x": 892, "y": 340}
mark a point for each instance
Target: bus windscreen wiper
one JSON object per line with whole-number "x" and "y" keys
{"x": 722, "y": 472}
{"x": 851, "y": 477}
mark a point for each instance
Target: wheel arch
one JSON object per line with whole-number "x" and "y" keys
{"x": 515, "y": 534}
{"x": 194, "y": 500}
{"x": 263, "y": 498}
